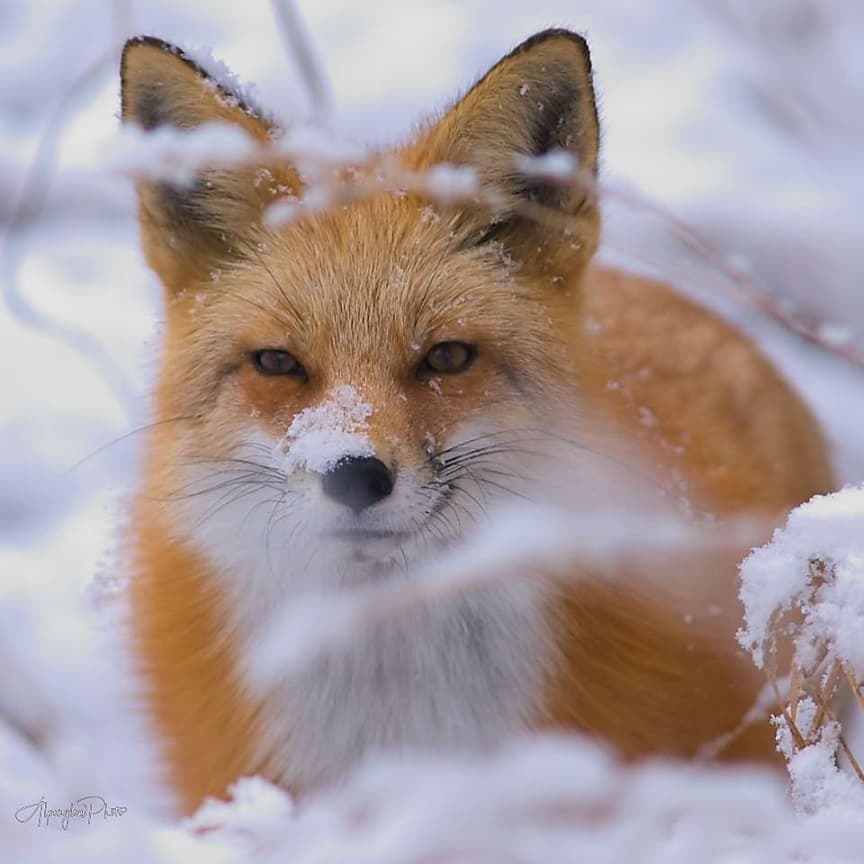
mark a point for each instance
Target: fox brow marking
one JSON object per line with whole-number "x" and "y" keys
{"x": 250, "y": 247}
{"x": 424, "y": 295}
{"x": 284, "y": 322}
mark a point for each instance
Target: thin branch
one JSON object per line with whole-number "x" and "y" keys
{"x": 29, "y": 205}
{"x": 300, "y": 46}
{"x": 824, "y": 695}
{"x": 812, "y": 330}
{"x": 853, "y": 684}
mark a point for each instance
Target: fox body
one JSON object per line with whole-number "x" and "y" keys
{"x": 341, "y": 397}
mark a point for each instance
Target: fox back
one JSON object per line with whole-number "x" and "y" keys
{"x": 342, "y": 396}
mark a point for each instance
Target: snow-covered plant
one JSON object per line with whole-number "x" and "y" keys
{"x": 803, "y": 595}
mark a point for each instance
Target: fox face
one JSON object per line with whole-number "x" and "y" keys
{"x": 343, "y": 395}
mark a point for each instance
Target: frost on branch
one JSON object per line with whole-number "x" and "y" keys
{"x": 554, "y": 165}
{"x": 449, "y": 184}
{"x": 815, "y": 563}
{"x": 807, "y": 587}
{"x": 176, "y": 156}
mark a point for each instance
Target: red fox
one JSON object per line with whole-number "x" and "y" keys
{"x": 338, "y": 399}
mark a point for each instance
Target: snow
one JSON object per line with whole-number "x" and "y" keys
{"x": 222, "y": 75}
{"x": 829, "y": 529}
{"x": 449, "y": 184}
{"x": 815, "y": 565}
{"x": 490, "y": 808}
{"x": 288, "y": 208}
{"x": 305, "y": 144}
{"x": 175, "y": 156}
{"x": 69, "y": 735}
{"x": 554, "y": 165}
{"x": 327, "y": 433}
{"x": 740, "y": 121}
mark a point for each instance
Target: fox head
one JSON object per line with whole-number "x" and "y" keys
{"x": 341, "y": 395}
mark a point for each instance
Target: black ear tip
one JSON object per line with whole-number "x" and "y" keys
{"x": 134, "y": 89}
{"x": 127, "y": 77}
{"x": 553, "y": 34}
{"x": 153, "y": 42}
{"x": 157, "y": 44}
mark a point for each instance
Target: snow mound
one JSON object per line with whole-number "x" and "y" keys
{"x": 538, "y": 801}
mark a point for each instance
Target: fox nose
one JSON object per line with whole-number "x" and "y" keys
{"x": 358, "y": 482}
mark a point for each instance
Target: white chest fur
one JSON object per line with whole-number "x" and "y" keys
{"x": 460, "y": 675}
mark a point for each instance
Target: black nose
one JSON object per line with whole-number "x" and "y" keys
{"x": 358, "y": 482}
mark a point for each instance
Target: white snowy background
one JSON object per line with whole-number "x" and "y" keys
{"x": 740, "y": 119}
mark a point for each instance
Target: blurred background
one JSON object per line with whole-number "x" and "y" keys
{"x": 731, "y": 157}
{"x": 739, "y": 120}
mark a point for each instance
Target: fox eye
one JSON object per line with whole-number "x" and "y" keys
{"x": 449, "y": 358}
{"x": 272, "y": 361}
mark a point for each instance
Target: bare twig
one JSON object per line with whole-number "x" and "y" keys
{"x": 298, "y": 42}
{"x": 854, "y": 685}
{"x": 819, "y": 681}
{"x": 825, "y": 712}
{"x": 850, "y": 756}
{"x": 824, "y": 694}
{"x": 746, "y": 291}
{"x": 30, "y": 203}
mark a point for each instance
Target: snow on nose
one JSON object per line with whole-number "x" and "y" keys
{"x": 326, "y": 435}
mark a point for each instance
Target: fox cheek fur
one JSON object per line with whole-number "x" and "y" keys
{"x": 272, "y": 333}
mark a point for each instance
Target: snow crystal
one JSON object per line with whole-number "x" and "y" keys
{"x": 647, "y": 417}
{"x": 235, "y": 90}
{"x": 429, "y": 216}
{"x": 323, "y": 435}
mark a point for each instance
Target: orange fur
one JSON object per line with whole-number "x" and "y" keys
{"x": 200, "y": 712}
{"x": 644, "y": 657}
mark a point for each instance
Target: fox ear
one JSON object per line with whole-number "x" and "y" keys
{"x": 537, "y": 100}
{"x": 188, "y": 229}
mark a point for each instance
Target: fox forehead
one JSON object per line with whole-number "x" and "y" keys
{"x": 386, "y": 272}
